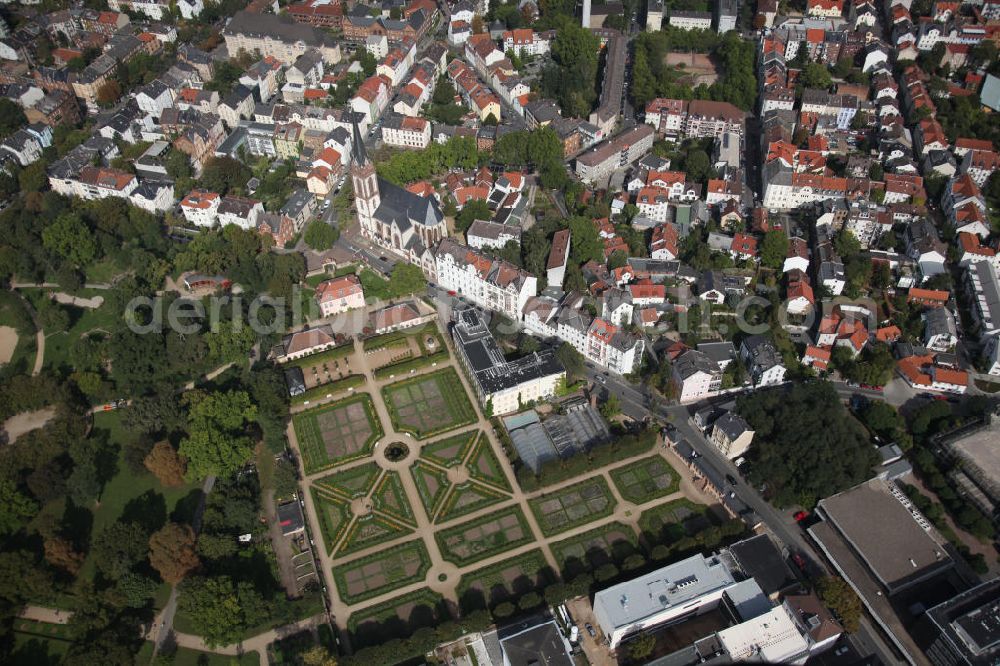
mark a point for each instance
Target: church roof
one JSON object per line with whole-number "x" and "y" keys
{"x": 404, "y": 208}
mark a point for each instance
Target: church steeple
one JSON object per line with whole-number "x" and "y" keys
{"x": 367, "y": 196}
{"x": 358, "y": 152}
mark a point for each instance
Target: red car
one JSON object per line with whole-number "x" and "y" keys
{"x": 800, "y": 516}
{"x": 452, "y": 292}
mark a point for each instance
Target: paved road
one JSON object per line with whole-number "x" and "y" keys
{"x": 636, "y": 404}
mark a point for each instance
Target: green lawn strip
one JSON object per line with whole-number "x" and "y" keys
{"x": 328, "y": 390}
{"x": 582, "y": 547}
{"x": 467, "y": 498}
{"x": 481, "y": 547}
{"x": 580, "y": 504}
{"x": 638, "y": 481}
{"x": 389, "y": 497}
{"x": 423, "y": 476}
{"x": 371, "y": 530}
{"x": 450, "y": 451}
{"x": 32, "y": 649}
{"x": 375, "y": 287}
{"x": 389, "y": 610}
{"x": 457, "y": 404}
{"x": 311, "y": 444}
{"x": 667, "y": 521}
{"x": 406, "y": 366}
{"x": 391, "y": 563}
{"x": 190, "y": 657}
{"x": 14, "y": 313}
{"x": 334, "y": 517}
{"x": 485, "y": 457}
{"x": 494, "y": 586}
{"x": 352, "y": 482}
{"x": 125, "y": 488}
{"x": 334, "y": 354}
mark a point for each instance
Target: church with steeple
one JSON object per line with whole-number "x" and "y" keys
{"x": 392, "y": 217}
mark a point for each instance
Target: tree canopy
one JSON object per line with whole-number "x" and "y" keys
{"x": 217, "y": 443}
{"x": 571, "y": 78}
{"x": 806, "y": 445}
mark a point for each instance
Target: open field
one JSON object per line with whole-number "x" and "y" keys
{"x": 698, "y": 65}
{"x": 576, "y": 505}
{"x": 337, "y": 432}
{"x": 646, "y": 480}
{"x": 484, "y": 537}
{"x": 382, "y": 572}
{"x": 504, "y": 581}
{"x": 429, "y": 404}
{"x": 610, "y": 543}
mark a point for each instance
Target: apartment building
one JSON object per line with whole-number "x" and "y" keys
{"x": 680, "y": 119}
{"x": 615, "y": 153}
{"x": 490, "y": 283}
{"x": 696, "y": 376}
{"x": 201, "y": 208}
{"x": 503, "y": 386}
{"x": 406, "y": 131}
{"x": 278, "y": 37}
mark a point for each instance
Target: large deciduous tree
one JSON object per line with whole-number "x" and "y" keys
{"x": 172, "y": 552}
{"x": 216, "y": 443}
{"x": 166, "y": 465}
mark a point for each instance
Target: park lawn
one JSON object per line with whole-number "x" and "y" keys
{"x": 484, "y": 537}
{"x": 390, "y": 569}
{"x": 674, "y": 520}
{"x": 612, "y": 543}
{"x": 504, "y": 581}
{"x": 126, "y": 488}
{"x": 103, "y": 271}
{"x": 189, "y": 657}
{"x": 59, "y": 344}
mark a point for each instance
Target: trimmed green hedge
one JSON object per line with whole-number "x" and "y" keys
{"x": 404, "y": 367}
{"x": 325, "y": 390}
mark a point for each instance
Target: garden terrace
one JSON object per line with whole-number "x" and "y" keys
{"x": 429, "y": 404}
{"x": 484, "y": 537}
{"x": 337, "y": 433}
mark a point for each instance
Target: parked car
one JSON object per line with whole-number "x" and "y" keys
{"x": 800, "y": 516}
{"x": 590, "y": 630}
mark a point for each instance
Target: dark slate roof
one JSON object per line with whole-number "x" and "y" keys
{"x": 760, "y": 559}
